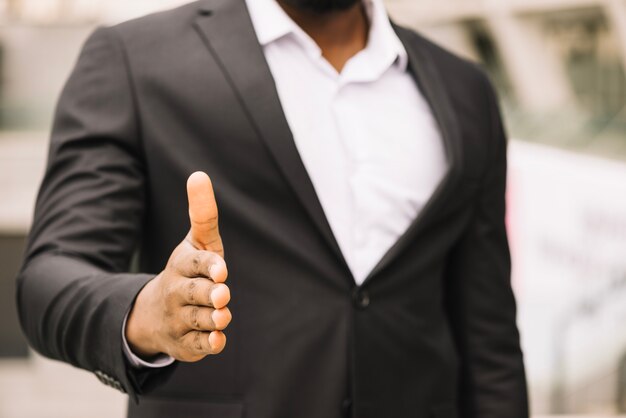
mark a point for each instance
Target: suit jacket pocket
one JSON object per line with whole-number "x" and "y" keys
{"x": 443, "y": 411}
{"x": 179, "y": 408}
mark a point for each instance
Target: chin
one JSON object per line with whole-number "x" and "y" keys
{"x": 321, "y": 6}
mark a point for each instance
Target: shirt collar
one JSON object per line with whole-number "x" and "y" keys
{"x": 271, "y": 23}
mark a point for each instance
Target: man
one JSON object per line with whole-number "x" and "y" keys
{"x": 359, "y": 172}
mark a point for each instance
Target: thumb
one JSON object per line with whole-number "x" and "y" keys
{"x": 204, "y": 232}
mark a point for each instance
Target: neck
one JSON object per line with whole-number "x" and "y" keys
{"x": 339, "y": 34}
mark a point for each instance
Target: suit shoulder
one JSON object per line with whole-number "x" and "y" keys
{"x": 450, "y": 65}
{"x": 469, "y": 88}
{"x": 158, "y": 25}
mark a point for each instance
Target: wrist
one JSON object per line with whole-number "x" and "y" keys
{"x": 139, "y": 334}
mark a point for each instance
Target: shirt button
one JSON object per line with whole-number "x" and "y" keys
{"x": 360, "y": 298}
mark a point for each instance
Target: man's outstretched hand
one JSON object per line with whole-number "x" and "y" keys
{"x": 182, "y": 311}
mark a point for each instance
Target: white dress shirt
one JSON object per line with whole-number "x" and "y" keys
{"x": 366, "y": 136}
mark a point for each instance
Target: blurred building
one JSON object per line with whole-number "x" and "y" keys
{"x": 559, "y": 64}
{"x": 560, "y": 68}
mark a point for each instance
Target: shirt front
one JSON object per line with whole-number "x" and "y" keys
{"x": 366, "y": 136}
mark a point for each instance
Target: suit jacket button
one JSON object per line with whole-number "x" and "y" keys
{"x": 360, "y": 298}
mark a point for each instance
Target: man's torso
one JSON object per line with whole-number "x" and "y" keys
{"x": 304, "y": 336}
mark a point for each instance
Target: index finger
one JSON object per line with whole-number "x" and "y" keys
{"x": 198, "y": 263}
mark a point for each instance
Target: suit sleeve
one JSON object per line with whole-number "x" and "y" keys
{"x": 74, "y": 288}
{"x": 480, "y": 300}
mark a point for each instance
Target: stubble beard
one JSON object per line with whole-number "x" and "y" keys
{"x": 321, "y": 6}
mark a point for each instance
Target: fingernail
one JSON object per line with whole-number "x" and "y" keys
{"x": 211, "y": 271}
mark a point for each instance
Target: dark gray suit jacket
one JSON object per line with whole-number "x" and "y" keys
{"x": 431, "y": 332}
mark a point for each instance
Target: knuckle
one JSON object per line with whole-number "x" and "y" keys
{"x": 196, "y": 262}
{"x": 191, "y": 291}
{"x": 197, "y": 341}
{"x": 193, "y": 320}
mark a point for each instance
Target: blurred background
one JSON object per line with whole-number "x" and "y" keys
{"x": 560, "y": 68}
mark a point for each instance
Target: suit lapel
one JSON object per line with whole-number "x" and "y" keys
{"x": 227, "y": 31}
{"x": 432, "y": 86}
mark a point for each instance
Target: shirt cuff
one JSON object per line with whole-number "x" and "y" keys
{"x": 162, "y": 360}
